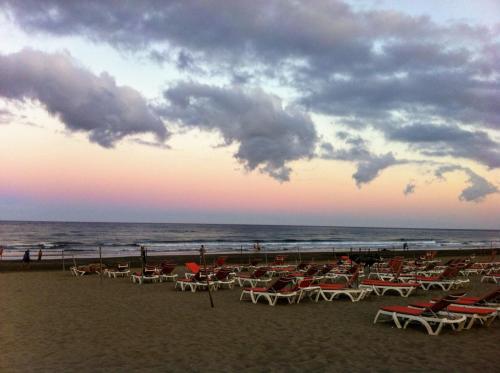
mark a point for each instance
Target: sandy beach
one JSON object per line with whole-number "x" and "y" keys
{"x": 51, "y": 321}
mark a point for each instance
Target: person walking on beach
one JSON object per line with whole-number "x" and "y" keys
{"x": 1, "y": 252}
{"x": 405, "y": 246}
{"x": 40, "y": 253}
{"x": 143, "y": 254}
{"x": 26, "y": 258}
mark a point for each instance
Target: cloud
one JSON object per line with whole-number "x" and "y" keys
{"x": 360, "y": 66}
{"x": 369, "y": 169}
{"x": 432, "y": 86}
{"x": 409, "y": 189}
{"x": 369, "y": 165}
{"x": 478, "y": 187}
{"x": 448, "y": 140}
{"x": 268, "y": 135}
{"x": 84, "y": 102}
{"x": 5, "y": 116}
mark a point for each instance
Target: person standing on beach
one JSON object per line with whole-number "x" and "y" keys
{"x": 405, "y": 246}
{"x": 1, "y": 252}
{"x": 26, "y": 258}
{"x": 40, "y": 253}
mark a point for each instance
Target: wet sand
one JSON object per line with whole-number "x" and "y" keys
{"x": 51, "y": 321}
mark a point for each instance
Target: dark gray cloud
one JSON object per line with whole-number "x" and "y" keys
{"x": 369, "y": 165}
{"x": 269, "y": 136}
{"x": 5, "y": 116}
{"x": 448, "y": 140}
{"x": 477, "y": 190}
{"x": 409, "y": 188}
{"x": 358, "y": 66}
{"x": 84, "y": 102}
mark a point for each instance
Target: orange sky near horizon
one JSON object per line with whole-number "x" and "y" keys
{"x": 50, "y": 165}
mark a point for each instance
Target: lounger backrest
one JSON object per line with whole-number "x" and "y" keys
{"x": 439, "y": 305}
{"x": 306, "y": 282}
{"x": 259, "y": 272}
{"x": 353, "y": 278}
{"x": 280, "y": 284}
{"x": 311, "y": 271}
{"x": 396, "y": 267}
{"x": 222, "y": 274}
{"x": 167, "y": 268}
{"x": 449, "y": 272}
{"x": 193, "y": 267}
{"x": 491, "y": 295}
{"x": 302, "y": 265}
{"x": 325, "y": 269}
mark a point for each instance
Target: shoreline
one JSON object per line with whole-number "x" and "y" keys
{"x": 232, "y": 258}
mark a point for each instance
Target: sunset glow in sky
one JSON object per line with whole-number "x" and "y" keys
{"x": 362, "y": 113}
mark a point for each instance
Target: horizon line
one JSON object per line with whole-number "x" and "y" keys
{"x": 244, "y": 224}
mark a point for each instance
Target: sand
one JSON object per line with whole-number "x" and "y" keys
{"x": 51, "y": 321}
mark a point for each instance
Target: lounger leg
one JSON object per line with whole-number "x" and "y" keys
{"x": 396, "y": 320}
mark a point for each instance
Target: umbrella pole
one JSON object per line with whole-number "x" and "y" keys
{"x": 202, "y": 255}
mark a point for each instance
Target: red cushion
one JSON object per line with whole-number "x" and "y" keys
{"x": 403, "y": 309}
{"x": 467, "y": 300}
{"x": 388, "y": 283}
{"x": 332, "y": 286}
{"x": 427, "y": 278}
{"x": 257, "y": 289}
{"x": 470, "y": 310}
{"x": 422, "y": 304}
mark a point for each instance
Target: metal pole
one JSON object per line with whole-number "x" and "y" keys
{"x": 100, "y": 264}
{"x": 202, "y": 254}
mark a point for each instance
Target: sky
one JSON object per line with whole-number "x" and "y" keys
{"x": 352, "y": 113}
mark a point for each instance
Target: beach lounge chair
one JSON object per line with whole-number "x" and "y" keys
{"x": 490, "y": 299}
{"x": 381, "y": 287}
{"x": 446, "y": 280}
{"x": 280, "y": 289}
{"x": 432, "y": 318}
{"x": 311, "y": 271}
{"x": 306, "y": 287}
{"x": 356, "y": 270}
{"x": 121, "y": 270}
{"x": 193, "y": 283}
{"x": 224, "y": 277}
{"x": 92, "y": 268}
{"x": 323, "y": 272}
{"x": 491, "y": 276}
{"x": 258, "y": 277}
{"x": 330, "y": 292}
{"x": 391, "y": 272}
{"x": 484, "y": 315}
{"x": 303, "y": 266}
{"x": 166, "y": 272}
{"x": 193, "y": 268}
{"x": 145, "y": 277}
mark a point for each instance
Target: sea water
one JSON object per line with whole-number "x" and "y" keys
{"x": 123, "y": 239}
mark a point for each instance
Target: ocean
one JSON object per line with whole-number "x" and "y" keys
{"x": 123, "y": 239}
